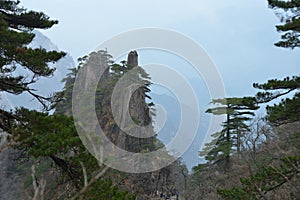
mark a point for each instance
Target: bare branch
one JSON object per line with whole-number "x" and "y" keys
{"x": 94, "y": 179}
{"x": 84, "y": 174}
{"x": 39, "y": 187}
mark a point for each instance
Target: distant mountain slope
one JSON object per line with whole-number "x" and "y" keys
{"x": 168, "y": 130}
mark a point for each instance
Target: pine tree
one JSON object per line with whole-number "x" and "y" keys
{"x": 16, "y": 25}
{"x": 290, "y": 16}
{"x": 287, "y": 110}
{"x": 238, "y": 111}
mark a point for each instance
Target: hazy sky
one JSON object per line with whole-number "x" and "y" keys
{"x": 238, "y": 35}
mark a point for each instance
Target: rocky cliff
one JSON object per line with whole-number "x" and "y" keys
{"x": 144, "y": 185}
{"x": 17, "y": 180}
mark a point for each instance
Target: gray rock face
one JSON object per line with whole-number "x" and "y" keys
{"x": 11, "y": 177}
{"x": 132, "y": 59}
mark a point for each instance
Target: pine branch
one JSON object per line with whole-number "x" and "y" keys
{"x": 269, "y": 97}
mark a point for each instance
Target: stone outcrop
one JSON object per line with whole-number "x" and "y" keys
{"x": 11, "y": 176}
{"x": 145, "y": 185}
{"x": 132, "y": 59}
